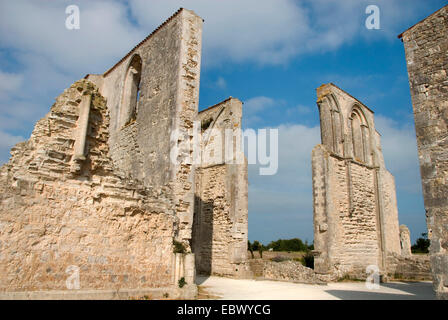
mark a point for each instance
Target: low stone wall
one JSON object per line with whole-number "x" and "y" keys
{"x": 291, "y": 271}
{"x": 188, "y": 292}
{"x": 414, "y": 267}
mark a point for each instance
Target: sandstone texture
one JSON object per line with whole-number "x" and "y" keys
{"x": 220, "y": 225}
{"x": 355, "y": 208}
{"x": 426, "y": 47}
{"x": 116, "y": 231}
{"x": 289, "y": 271}
{"x": 405, "y": 241}
{"x": 414, "y": 267}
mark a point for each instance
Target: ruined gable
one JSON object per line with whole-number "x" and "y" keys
{"x": 355, "y": 210}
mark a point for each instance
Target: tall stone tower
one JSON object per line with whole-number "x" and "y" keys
{"x": 355, "y": 209}
{"x": 426, "y": 46}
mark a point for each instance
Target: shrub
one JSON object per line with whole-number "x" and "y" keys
{"x": 182, "y": 282}
{"x": 288, "y": 245}
{"x": 280, "y": 259}
{"x": 249, "y": 247}
{"x": 421, "y": 244}
{"x": 308, "y": 260}
{"x": 179, "y": 247}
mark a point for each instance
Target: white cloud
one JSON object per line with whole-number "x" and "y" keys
{"x": 253, "y": 108}
{"x": 250, "y": 30}
{"x": 266, "y": 32}
{"x": 399, "y": 146}
{"x": 39, "y": 28}
{"x": 257, "y": 104}
{"x": 287, "y": 195}
{"x": 9, "y": 83}
{"x": 274, "y": 31}
{"x": 221, "y": 83}
{"x": 6, "y": 142}
{"x": 51, "y": 57}
{"x": 303, "y": 109}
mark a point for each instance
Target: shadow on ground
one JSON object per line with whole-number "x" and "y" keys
{"x": 201, "y": 278}
{"x": 411, "y": 291}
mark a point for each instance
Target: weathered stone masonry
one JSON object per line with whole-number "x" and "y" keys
{"x": 117, "y": 231}
{"x": 220, "y": 225}
{"x": 355, "y": 210}
{"x": 426, "y": 47}
{"x": 95, "y": 188}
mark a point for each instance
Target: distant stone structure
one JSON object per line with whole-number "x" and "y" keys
{"x": 95, "y": 192}
{"x": 426, "y": 47}
{"x": 405, "y": 241}
{"x": 355, "y": 207}
{"x": 220, "y": 220}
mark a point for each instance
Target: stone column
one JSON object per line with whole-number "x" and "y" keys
{"x": 79, "y": 150}
{"x": 405, "y": 241}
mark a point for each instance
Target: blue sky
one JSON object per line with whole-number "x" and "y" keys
{"x": 271, "y": 54}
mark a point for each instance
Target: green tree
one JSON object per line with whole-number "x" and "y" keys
{"x": 256, "y": 245}
{"x": 249, "y": 247}
{"x": 288, "y": 245}
{"x": 421, "y": 244}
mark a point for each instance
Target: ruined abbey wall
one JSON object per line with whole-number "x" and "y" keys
{"x": 355, "y": 210}
{"x": 426, "y": 46}
{"x": 108, "y": 184}
{"x": 221, "y": 213}
{"x": 142, "y": 139}
{"x": 54, "y": 219}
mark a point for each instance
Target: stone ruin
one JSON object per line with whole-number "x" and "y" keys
{"x": 426, "y": 47}
{"x": 356, "y": 230}
{"x": 355, "y": 207}
{"x": 95, "y": 194}
{"x": 355, "y": 211}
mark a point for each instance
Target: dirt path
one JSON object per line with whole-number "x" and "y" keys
{"x": 224, "y": 288}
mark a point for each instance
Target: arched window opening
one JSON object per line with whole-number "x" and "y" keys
{"x": 336, "y": 124}
{"x": 131, "y": 91}
{"x": 331, "y": 125}
{"x": 360, "y": 137}
{"x": 358, "y": 153}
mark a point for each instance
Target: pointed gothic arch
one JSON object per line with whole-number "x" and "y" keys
{"x": 131, "y": 91}
{"x": 360, "y": 135}
{"x": 332, "y": 124}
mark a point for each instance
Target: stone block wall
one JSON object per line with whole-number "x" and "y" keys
{"x": 426, "y": 47}
{"x": 166, "y": 109}
{"x": 220, "y": 220}
{"x": 410, "y": 267}
{"x": 115, "y": 231}
{"x": 290, "y": 271}
{"x": 355, "y": 209}
{"x": 348, "y": 236}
